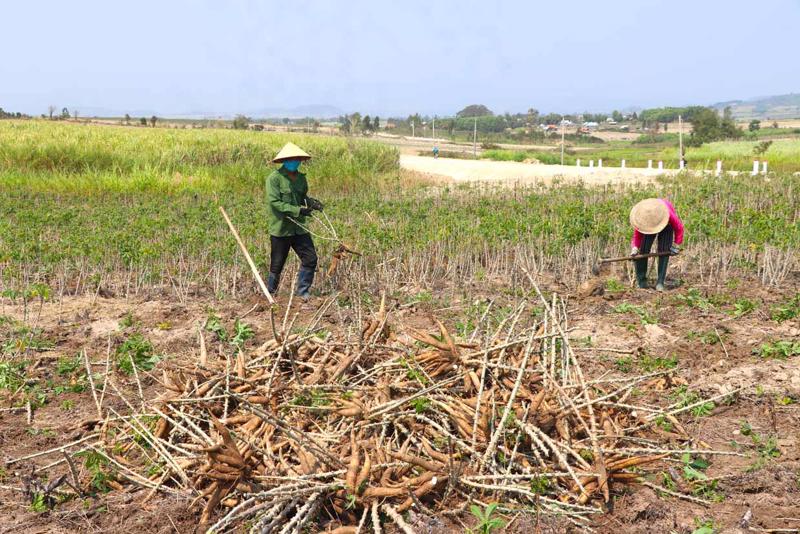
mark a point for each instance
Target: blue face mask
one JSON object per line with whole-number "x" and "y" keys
{"x": 292, "y": 165}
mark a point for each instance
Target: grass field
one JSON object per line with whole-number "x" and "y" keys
{"x": 95, "y": 202}
{"x": 783, "y": 155}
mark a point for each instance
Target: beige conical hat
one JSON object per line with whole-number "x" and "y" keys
{"x": 650, "y": 216}
{"x": 290, "y": 151}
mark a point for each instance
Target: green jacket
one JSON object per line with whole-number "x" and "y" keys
{"x": 285, "y": 196}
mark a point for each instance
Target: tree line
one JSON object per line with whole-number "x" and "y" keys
{"x": 12, "y": 115}
{"x": 355, "y": 123}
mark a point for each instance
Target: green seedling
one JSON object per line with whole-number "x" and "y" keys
{"x": 486, "y": 522}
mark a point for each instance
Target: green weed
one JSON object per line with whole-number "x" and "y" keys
{"x": 779, "y": 350}
{"x": 624, "y": 364}
{"x": 694, "y": 299}
{"x": 486, "y": 522}
{"x": 640, "y": 311}
{"x": 98, "y": 466}
{"x": 138, "y": 349}
{"x": 743, "y": 306}
{"x": 684, "y": 398}
{"x": 651, "y": 364}
{"x": 788, "y": 310}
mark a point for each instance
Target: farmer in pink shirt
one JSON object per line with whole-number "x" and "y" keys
{"x": 655, "y": 219}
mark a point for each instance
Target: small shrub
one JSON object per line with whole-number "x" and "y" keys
{"x": 743, "y": 307}
{"x": 788, "y": 310}
{"x": 138, "y": 349}
{"x": 779, "y": 350}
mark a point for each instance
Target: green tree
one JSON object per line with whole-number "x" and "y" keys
{"x": 355, "y": 121}
{"x": 705, "y": 127}
{"x": 532, "y": 117}
{"x": 474, "y": 110}
{"x": 153, "y": 120}
{"x": 754, "y": 125}
{"x": 50, "y": 110}
{"x": 143, "y": 121}
{"x": 345, "y": 126}
{"x": 552, "y": 118}
{"x": 617, "y": 116}
{"x": 127, "y": 119}
{"x": 761, "y": 148}
{"x": 376, "y": 123}
{"x": 65, "y": 113}
{"x": 727, "y": 126}
{"x": 241, "y": 122}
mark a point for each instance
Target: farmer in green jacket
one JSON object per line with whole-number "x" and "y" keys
{"x": 289, "y": 208}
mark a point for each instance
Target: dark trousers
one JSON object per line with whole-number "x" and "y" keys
{"x": 664, "y": 240}
{"x": 302, "y": 245}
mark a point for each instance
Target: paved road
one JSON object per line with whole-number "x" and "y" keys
{"x": 510, "y": 172}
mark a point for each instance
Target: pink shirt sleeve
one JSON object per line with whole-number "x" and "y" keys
{"x": 675, "y": 222}
{"x": 636, "y": 241}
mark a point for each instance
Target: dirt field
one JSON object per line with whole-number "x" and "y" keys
{"x": 696, "y": 329}
{"x": 510, "y": 172}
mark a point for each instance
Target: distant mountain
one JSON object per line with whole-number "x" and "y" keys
{"x": 765, "y": 107}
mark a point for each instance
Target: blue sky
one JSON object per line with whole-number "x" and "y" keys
{"x": 394, "y": 57}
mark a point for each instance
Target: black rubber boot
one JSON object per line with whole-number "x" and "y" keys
{"x": 663, "y": 261}
{"x": 304, "y": 280}
{"x": 641, "y": 273}
{"x": 272, "y": 283}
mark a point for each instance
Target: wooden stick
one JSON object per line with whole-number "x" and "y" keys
{"x": 247, "y": 257}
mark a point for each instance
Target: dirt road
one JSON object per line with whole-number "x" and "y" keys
{"x": 509, "y": 172}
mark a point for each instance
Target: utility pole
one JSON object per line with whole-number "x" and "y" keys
{"x": 434, "y": 130}
{"x": 475, "y": 138}
{"x": 412, "y": 128}
{"x": 562, "y": 140}
{"x": 680, "y": 142}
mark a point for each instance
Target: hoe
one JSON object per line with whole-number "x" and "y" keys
{"x": 603, "y": 261}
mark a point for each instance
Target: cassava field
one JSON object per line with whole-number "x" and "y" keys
{"x": 464, "y": 371}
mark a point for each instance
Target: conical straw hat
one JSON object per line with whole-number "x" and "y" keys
{"x": 650, "y": 216}
{"x": 290, "y": 151}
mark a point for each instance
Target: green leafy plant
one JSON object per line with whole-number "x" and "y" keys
{"x": 650, "y": 364}
{"x": 704, "y": 526}
{"x": 39, "y": 503}
{"x": 614, "y": 286}
{"x": 685, "y": 398}
{"x": 242, "y": 332}
{"x": 214, "y": 325}
{"x": 743, "y": 306}
{"x": 67, "y": 366}
{"x": 138, "y": 349}
{"x": 540, "y": 485}
{"x": 624, "y": 364}
{"x": 98, "y": 466}
{"x": 779, "y": 350}
{"x": 788, "y": 310}
{"x": 640, "y": 311}
{"x": 486, "y": 523}
{"x": 420, "y": 404}
{"x": 693, "y": 299}
{"x": 11, "y": 375}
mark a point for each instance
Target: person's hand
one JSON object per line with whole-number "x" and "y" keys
{"x": 674, "y": 249}
{"x": 314, "y": 204}
{"x": 305, "y": 212}
{"x": 634, "y": 251}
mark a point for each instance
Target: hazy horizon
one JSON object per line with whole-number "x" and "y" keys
{"x": 392, "y": 59}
